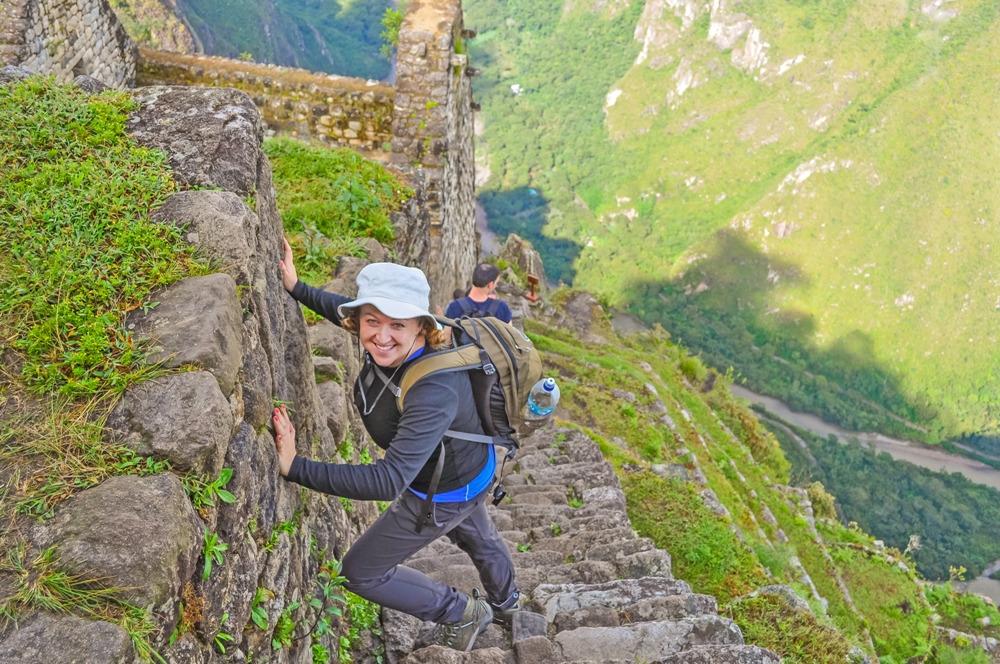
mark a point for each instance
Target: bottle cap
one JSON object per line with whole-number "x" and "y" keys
{"x": 549, "y": 384}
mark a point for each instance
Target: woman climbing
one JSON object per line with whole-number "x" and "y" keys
{"x": 390, "y": 316}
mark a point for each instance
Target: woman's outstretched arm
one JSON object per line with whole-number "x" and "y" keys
{"x": 420, "y": 432}
{"x": 323, "y": 303}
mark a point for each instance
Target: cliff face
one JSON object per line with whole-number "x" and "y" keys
{"x": 242, "y": 346}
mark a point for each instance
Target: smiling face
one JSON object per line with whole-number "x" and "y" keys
{"x": 389, "y": 340}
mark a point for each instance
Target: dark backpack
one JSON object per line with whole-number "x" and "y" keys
{"x": 503, "y": 365}
{"x": 470, "y": 310}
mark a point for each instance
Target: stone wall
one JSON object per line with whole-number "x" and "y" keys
{"x": 432, "y": 128}
{"x": 67, "y": 38}
{"x": 342, "y": 111}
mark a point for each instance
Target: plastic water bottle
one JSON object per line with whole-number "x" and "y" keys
{"x": 542, "y": 400}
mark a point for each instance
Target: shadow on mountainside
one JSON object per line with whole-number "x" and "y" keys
{"x": 727, "y": 307}
{"x": 525, "y": 211}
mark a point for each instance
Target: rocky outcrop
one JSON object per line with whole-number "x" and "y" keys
{"x": 67, "y": 640}
{"x": 234, "y": 343}
{"x": 140, "y": 534}
{"x": 518, "y": 251}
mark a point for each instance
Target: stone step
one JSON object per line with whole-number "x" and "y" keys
{"x": 466, "y": 577}
{"x": 619, "y": 595}
{"x": 585, "y": 475}
{"x": 578, "y": 544}
{"x": 645, "y": 641}
{"x": 519, "y": 490}
{"x": 669, "y": 608}
{"x": 556, "y": 496}
{"x": 442, "y": 655}
{"x": 722, "y": 655}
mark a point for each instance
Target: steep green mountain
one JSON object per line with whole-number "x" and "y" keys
{"x": 797, "y": 188}
{"x": 339, "y": 37}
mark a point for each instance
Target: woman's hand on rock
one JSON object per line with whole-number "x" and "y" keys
{"x": 285, "y": 440}
{"x": 288, "y": 275}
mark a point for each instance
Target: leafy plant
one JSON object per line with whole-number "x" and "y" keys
{"x": 524, "y": 548}
{"x": 556, "y": 529}
{"x": 213, "y": 549}
{"x": 258, "y": 614}
{"x": 221, "y": 638}
{"x": 287, "y": 527}
{"x": 284, "y": 627}
{"x": 392, "y": 20}
{"x": 204, "y": 493}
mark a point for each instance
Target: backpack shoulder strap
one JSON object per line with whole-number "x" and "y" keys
{"x": 494, "y": 307}
{"x": 462, "y": 358}
{"x": 466, "y": 305}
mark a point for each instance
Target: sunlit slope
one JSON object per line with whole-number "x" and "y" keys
{"x": 844, "y": 149}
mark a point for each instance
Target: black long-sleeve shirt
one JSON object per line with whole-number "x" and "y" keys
{"x": 412, "y": 440}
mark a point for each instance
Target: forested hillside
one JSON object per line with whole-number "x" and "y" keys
{"x": 801, "y": 189}
{"x": 333, "y": 36}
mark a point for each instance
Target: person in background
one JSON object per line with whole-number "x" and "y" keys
{"x": 481, "y": 300}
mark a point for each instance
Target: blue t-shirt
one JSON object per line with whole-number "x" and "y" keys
{"x": 455, "y": 308}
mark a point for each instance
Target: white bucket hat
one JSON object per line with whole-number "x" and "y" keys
{"x": 395, "y": 290}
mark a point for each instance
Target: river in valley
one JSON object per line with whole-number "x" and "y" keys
{"x": 926, "y": 456}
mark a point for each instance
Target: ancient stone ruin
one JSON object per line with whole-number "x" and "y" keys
{"x": 422, "y": 125}
{"x": 67, "y": 38}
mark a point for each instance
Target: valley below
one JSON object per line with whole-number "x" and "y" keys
{"x": 925, "y": 456}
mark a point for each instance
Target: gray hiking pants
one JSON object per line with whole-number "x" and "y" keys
{"x": 372, "y": 565}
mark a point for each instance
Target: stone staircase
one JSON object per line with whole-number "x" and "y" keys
{"x": 593, "y": 590}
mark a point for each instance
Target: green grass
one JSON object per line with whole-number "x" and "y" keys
{"x": 962, "y": 612}
{"x": 59, "y": 452}
{"x": 330, "y": 199}
{"x": 798, "y": 637}
{"x": 705, "y": 552}
{"x": 893, "y": 605}
{"x": 76, "y": 248}
{"x": 77, "y": 252}
{"x": 39, "y": 585}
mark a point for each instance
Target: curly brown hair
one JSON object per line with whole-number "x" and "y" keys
{"x": 435, "y": 338}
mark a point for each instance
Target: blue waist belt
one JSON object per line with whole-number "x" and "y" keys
{"x": 470, "y": 490}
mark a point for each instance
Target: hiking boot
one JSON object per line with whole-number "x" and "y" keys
{"x": 505, "y": 617}
{"x": 462, "y": 635}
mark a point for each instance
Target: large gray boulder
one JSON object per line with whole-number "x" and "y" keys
{"x": 139, "y": 534}
{"x": 197, "y": 321}
{"x": 67, "y": 640}
{"x": 332, "y": 341}
{"x": 212, "y": 136}
{"x": 181, "y": 418}
{"x": 219, "y": 223}
{"x": 12, "y": 73}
